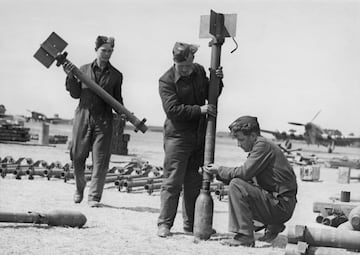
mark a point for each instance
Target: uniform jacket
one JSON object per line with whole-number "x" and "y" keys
{"x": 269, "y": 165}
{"x": 181, "y": 100}
{"x": 110, "y": 80}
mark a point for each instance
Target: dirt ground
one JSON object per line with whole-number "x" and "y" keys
{"x": 126, "y": 223}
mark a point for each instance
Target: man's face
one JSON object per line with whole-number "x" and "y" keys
{"x": 104, "y": 52}
{"x": 246, "y": 142}
{"x": 184, "y": 68}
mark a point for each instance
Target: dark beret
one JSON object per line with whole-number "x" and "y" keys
{"x": 100, "y": 40}
{"x": 183, "y": 51}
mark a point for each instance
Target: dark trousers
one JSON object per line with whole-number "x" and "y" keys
{"x": 248, "y": 202}
{"x": 91, "y": 134}
{"x": 181, "y": 168}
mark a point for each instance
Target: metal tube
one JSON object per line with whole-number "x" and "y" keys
{"x": 338, "y": 238}
{"x": 302, "y": 248}
{"x": 53, "y": 218}
{"x": 29, "y": 217}
{"x": 111, "y": 178}
{"x": 329, "y": 220}
{"x": 328, "y": 251}
{"x": 319, "y": 218}
{"x": 204, "y": 205}
{"x": 141, "y": 182}
{"x": 210, "y": 136}
{"x": 150, "y": 188}
{"x": 32, "y": 171}
{"x": 55, "y": 172}
{"x": 140, "y": 125}
{"x": 9, "y": 168}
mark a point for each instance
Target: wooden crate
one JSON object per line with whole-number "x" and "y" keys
{"x": 310, "y": 173}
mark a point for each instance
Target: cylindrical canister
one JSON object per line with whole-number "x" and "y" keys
{"x": 44, "y": 134}
{"x": 354, "y": 218}
{"x": 345, "y": 196}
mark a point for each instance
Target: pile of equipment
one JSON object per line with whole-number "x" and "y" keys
{"x": 303, "y": 240}
{"x": 135, "y": 175}
{"x": 13, "y": 132}
{"x": 340, "y": 237}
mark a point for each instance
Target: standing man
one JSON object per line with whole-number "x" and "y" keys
{"x": 183, "y": 90}
{"x": 264, "y": 188}
{"x": 92, "y": 128}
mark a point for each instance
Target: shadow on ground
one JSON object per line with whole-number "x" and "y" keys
{"x": 135, "y": 209}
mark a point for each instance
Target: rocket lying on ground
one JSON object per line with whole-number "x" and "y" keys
{"x": 54, "y": 218}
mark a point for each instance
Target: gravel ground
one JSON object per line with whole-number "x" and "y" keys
{"x": 126, "y": 223}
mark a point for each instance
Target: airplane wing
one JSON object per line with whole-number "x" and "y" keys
{"x": 270, "y": 132}
{"x": 277, "y": 134}
{"x": 283, "y": 135}
{"x": 296, "y": 124}
{"x": 347, "y": 141}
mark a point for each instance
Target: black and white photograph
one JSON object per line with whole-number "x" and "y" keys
{"x": 180, "y": 127}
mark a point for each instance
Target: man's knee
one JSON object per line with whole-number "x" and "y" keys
{"x": 79, "y": 161}
{"x": 239, "y": 187}
{"x": 79, "y": 155}
{"x": 172, "y": 186}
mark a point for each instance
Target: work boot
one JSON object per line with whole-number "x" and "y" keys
{"x": 188, "y": 231}
{"x": 163, "y": 231}
{"x": 240, "y": 240}
{"x": 78, "y": 196}
{"x": 93, "y": 203}
{"x": 271, "y": 232}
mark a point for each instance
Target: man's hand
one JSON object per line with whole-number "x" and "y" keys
{"x": 208, "y": 109}
{"x": 219, "y": 73}
{"x": 123, "y": 116}
{"x": 69, "y": 68}
{"x": 211, "y": 169}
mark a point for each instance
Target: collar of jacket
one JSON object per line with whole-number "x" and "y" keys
{"x": 260, "y": 138}
{"x": 177, "y": 76}
{"x": 95, "y": 65}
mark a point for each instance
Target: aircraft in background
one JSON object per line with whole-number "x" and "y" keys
{"x": 314, "y": 134}
{"x": 38, "y": 116}
{"x": 6, "y": 119}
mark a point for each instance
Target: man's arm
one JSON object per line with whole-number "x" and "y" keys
{"x": 117, "y": 89}
{"x": 172, "y": 107}
{"x": 258, "y": 160}
{"x": 219, "y": 74}
{"x": 72, "y": 84}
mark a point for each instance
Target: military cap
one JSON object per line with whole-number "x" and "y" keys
{"x": 183, "y": 51}
{"x": 245, "y": 124}
{"x": 100, "y": 40}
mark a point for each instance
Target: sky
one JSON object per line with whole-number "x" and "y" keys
{"x": 295, "y": 58}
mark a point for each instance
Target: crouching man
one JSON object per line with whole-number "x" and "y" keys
{"x": 263, "y": 189}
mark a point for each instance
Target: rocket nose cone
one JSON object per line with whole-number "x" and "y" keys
{"x": 79, "y": 220}
{"x": 66, "y": 218}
